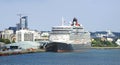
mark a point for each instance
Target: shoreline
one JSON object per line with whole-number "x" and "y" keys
{"x": 41, "y": 50}
{"x": 105, "y": 47}
{"x": 7, "y": 53}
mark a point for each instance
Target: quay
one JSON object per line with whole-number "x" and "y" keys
{"x": 17, "y": 52}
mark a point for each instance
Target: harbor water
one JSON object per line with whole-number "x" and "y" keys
{"x": 86, "y": 57}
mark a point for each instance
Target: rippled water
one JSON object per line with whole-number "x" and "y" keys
{"x": 87, "y": 57}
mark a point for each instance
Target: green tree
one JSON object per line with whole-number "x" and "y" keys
{"x": 7, "y": 41}
{"x": 13, "y": 41}
{"x": 99, "y": 43}
{"x": 1, "y": 40}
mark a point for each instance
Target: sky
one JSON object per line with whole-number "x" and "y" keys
{"x": 94, "y": 15}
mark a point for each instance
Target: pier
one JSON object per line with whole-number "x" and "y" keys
{"x": 17, "y": 52}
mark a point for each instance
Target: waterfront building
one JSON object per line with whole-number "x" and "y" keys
{"x": 23, "y": 22}
{"x": 25, "y": 35}
{"x": 44, "y": 36}
{"x": 100, "y": 34}
{"x": 13, "y": 28}
{"x": 118, "y": 42}
{"x": 24, "y": 45}
{"x": 37, "y": 35}
{"x": 7, "y": 34}
{"x": 104, "y": 35}
{"x": 0, "y": 34}
{"x": 18, "y": 26}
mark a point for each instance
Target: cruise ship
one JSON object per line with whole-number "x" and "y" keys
{"x": 67, "y": 38}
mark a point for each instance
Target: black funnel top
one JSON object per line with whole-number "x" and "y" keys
{"x": 74, "y": 19}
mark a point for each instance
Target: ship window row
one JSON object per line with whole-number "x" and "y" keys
{"x": 61, "y": 28}
{"x": 82, "y": 36}
{"x": 80, "y": 32}
{"x": 60, "y": 31}
{"x": 77, "y": 28}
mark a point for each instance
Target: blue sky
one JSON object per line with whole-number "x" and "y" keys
{"x": 94, "y": 15}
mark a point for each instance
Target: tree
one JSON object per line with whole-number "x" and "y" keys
{"x": 13, "y": 41}
{"x": 7, "y": 41}
{"x": 99, "y": 43}
{"x": 1, "y": 40}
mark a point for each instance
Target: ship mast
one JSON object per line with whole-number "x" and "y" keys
{"x": 63, "y": 21}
